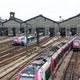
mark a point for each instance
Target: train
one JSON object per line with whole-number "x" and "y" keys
{"x": 45, "y": 66}
{"x": 76, "y": 44}
{"x": 22, "y": 40}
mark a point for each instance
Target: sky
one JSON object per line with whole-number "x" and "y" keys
{"x": 26, "y": 9}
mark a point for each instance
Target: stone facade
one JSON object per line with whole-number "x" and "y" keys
{"x": 40, "y": 22}
{"x": 12, "y": 23}
{"x": 67, "y": 27}
{"x": 73, "y": 22}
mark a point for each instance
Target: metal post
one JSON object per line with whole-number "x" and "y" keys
{"x": 2, "y": 33}
{"x": 59, "y": 30}
{"x": 37, "y": 36}
{"x": 26, "y": 36}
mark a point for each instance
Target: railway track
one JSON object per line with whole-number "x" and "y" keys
{"x": 12, "y": 59}
{"x": 5, "y": 46}
{"x": 5, "y": 43}
{"x": 73, "y": 70}
{"x": 19, "y": 59}
{"x": 15, "y": 52}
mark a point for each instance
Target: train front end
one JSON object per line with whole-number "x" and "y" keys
{"x": 76, "y": 44}
{"x": 16, "y": 41}
{"x": 19, "y": 41}
{"x": 28, "y": 73}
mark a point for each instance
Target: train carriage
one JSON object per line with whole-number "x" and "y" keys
{"x": 28, "y": 73}
{"x": 45, "y": 71}
{"x": 22, "y": 40}
{"x": 49, "y": 62}
{"x": 54, "y": 62}
{"x": 76, "y": 44}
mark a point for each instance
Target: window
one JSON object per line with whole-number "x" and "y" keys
{"x": 30, "y": 30}
{"x": 22, "y": 30}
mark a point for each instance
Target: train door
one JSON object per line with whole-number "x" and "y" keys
{"x": 30, "y": 30}
{"x": 73, "y": 31}
{"x": 62, "y": 32}
{"x": 22, "y": 30}
{"x": 5, "y": 31}
{"x": 14, "y": 31}
{"x": 38, "y": 31}
{"x": 0, "y": 31}
{"x": 52, "y": 32}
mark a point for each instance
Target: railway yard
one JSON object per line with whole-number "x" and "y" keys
{"x": 14, "y": 58}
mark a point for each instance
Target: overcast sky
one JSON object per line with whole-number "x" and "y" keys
{"x": 26, "y": 9}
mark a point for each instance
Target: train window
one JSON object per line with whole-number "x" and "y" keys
{"x": 60, "y": 56}
{"x": 22, "y": 38}
{"x": 76, "y": 41}
{"x": 41, "y": 78}
{"x": 26, "y": 78}
{"x": 78, "y": 38}
{"x": 32, "y": 38}
{"x": 66, "y": 48}
{"x": 29, "y": 70}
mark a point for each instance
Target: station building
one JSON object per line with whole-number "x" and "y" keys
{"x": 70, "y": 26}
{"x": 12, "y": 26}
{"x": 40, "y": 24}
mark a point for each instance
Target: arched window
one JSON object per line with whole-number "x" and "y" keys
{"x": 22, "y": 30}
{"x": 14, "y": 31}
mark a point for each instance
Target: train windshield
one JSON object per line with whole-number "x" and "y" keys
{"x": 26, "y": 78}
{"x": 76, "y": 41}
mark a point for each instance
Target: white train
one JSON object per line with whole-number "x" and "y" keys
{"x": 46, "y": 64}
{"x": 76, "y": 43}
{"x": 22, "y": 40}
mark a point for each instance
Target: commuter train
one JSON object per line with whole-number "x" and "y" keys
{"x": 22, "y": 40}
{"x": 45, "y": 65}
{"x": 76, "y": 44}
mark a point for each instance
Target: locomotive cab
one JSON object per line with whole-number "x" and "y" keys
{"x": 76, "y": 44}
{"x": 28, "y": 73}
